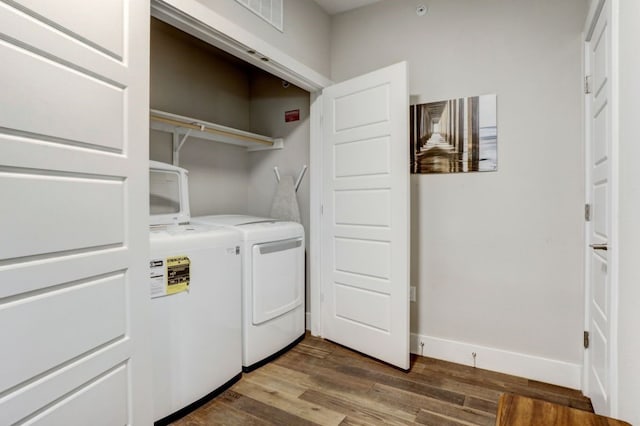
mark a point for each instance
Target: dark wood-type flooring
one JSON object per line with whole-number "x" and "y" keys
{"x": 517, "y": 410}
{"x": 321, "y": 383}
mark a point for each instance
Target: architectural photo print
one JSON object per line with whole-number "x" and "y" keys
{"x": 457, "y": 135}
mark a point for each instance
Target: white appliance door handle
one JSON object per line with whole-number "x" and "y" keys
{"x": 279, "y": 246}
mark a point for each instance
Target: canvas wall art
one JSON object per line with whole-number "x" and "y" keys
{"x": 453, "y": 136}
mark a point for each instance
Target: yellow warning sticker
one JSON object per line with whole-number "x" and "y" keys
{"x": 178, "y": 274}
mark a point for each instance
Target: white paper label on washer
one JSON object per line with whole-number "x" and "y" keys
{"x": 157, "y": 278}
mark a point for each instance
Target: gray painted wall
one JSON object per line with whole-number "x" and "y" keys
{"x": 190, "y": 78}
{"x": 496, "y": 257}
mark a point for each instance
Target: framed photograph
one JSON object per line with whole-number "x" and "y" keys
{"x": 454, "y": 136}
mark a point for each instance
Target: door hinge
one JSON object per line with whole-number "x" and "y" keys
{"x": 585, "y": 338}
{"x": 587, "y": 84}
{"x": 587, "y": 212}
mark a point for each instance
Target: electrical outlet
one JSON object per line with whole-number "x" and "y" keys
{"x": 412, "y": 293}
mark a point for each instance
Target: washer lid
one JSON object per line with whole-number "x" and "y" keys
{"x": 168, "y": 194}
{"x": 178, "y": 238}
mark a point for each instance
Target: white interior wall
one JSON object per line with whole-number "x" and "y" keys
{"x": 629, "y": 231}
{"x": 496, "y": 256}
{"x": 269, "y": 101}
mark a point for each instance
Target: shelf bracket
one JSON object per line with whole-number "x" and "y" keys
{"x": 178, "y": 143}
{"x": 277, "y": 144}
{"x": 184, "y": 139}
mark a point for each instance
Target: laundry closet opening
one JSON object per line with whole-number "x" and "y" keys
{"x": 194, "y": 79}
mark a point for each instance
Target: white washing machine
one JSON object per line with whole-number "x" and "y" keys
{"x": 195, "y": 285}
{"x": 273, "y": 277}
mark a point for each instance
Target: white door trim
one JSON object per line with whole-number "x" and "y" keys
{"x": 315, "y": 212}
{"x": 587, "y": 200}
{"x": 615, "y": 203}
{"x": 226, "y": 35}
{"x": 613, "y": 243}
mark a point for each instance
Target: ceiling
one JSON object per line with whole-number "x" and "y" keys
{"x": 333, "y": 7}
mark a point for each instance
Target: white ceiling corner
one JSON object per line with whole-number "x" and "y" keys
{"x": 333, "y": 7}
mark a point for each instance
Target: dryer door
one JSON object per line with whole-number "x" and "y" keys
{"x": 278, "y": 278}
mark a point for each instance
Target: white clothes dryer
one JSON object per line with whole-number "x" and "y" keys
{"x": 273, "y": 285}
{"x": 195, "y": 289}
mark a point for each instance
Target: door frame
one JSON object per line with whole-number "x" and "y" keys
{"x": 224, "y": 34}
{"x": 594, "y": 12}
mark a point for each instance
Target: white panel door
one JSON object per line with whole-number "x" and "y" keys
{"x": 599, "y": 358}
{"x": 74, "y": 212}
{"x": 365, "y": 223}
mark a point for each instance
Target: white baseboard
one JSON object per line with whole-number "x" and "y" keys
{"x": 517, "y": 364}
{"x": 308, "y": 321}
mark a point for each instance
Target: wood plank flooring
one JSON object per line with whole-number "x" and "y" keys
{"x": 321, "y": 383}
{"x": 522, "y": 411}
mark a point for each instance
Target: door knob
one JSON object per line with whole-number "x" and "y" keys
{"x": 599, "y": 246}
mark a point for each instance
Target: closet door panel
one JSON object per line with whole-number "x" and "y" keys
{"x": 88, "y": 403}
{"x": 75, "y": 319}
{"x": 89, "y": 213}
{"x": 99, "y": 24}
{"x": 54, "y": 102}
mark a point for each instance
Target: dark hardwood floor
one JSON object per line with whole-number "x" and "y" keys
{"x": 320, "y": 383}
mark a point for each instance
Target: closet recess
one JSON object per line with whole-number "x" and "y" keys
{"x": 183, "y": 127}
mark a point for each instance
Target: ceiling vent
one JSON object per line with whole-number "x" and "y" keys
{"x": 269, "y": 10}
